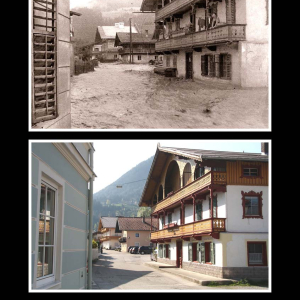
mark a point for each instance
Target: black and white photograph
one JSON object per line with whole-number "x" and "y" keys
{"x": 149, "y": 65}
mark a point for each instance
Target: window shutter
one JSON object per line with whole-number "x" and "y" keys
{"x": 211, "y": 66}
{"x": 198, "y": 252}
{"x": 212, "y": 253}
{"x": 204, "y": 70}
{"x": 202, "y": 252}
{"x": 230, "y": 11}
{"x": 190, "y": 250}
{"x": 228, "y": 66}
{"x": 199, "y": 211}
{"x": 215, "y": 206}
{"x": 44, "y": 103}
{"x": 217, "y": 65}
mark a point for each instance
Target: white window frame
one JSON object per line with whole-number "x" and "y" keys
{"x": 45, "y": 280}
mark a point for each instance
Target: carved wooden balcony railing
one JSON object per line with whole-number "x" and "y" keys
{"x": 220, "y": 34}
{"x": 110, "y": 237}
{"x": 171, "y": 8}
{"x": 197, "y": 228}
{"x": 215, "y": 178}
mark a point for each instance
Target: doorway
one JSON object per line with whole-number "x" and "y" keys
{"x": 179, "y": 254}
{"x": 189, "y": 65}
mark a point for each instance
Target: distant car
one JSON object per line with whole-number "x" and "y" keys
{"x": 134, "y": 250}
{"x": 129, "y": 248}
{"x": 118, "y": 249}
{"x": 145, "y": 250}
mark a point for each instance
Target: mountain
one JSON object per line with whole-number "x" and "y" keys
{"x": 112, "y": 201}
{"x": 106, "y": 13}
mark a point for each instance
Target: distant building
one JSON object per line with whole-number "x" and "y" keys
{"x": 105, "y": 37}
{"x": 135, "y": 231}
{"x": 143, "y": 47}
{"x": 106, "y": 234}
{"x": 61, "y": 179}
{"x": 223, "y": 40}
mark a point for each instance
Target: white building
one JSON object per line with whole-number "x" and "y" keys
{"x": 230, "y": 243}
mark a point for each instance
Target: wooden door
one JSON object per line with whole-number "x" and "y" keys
{"x": 179, "y": 254}
{"x": 189, "y": 65}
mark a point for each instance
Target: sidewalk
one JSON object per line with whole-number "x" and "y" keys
{"x": 201, "y": 279}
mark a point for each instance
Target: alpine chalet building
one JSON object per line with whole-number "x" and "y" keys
{"x": 212, "y": 208}
{"x": 225, "y": 41}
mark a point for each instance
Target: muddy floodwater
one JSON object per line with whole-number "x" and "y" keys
{"x": 124, "y": 96}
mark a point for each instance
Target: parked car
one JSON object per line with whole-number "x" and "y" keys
{"x": 129, "y": 248}
{"x": 118, "y": 249}
{"x": 134, "y": 250}
{"x": 145, "y": 250}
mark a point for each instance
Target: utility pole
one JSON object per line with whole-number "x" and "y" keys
{"x": 130, "y": 43}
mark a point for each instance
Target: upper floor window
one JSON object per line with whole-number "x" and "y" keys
{"x": 199, "y": 172}
{"x": 215, "y": 207}
{"x": 137, "y": 235}
{"x": 252, "y": 205}
{"x": 199, "y": 211}
{"x": 250, "y": 171}
{"x": 169, "y": 218}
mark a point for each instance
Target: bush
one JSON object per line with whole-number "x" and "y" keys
{"x": 95, "y": 244}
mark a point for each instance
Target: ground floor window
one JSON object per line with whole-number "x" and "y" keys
{"x": 160, "y": 250}
{"x": 257, "y": 254}
{"x": 46, "y": 240}
{"x": 139, "y": 57}
{"x": 216, "y": 65}
{"x": 192, "y": 251}
{"x": 164, "y": 251}
{"x": 206, "y": 252}
{"x": 168, "y": 59}
{"x": 175, "y": 61}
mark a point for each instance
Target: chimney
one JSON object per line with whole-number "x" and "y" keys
{"x": 264, "y": 148}
{"x": 143, "y": 219}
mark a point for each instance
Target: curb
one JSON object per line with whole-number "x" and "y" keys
{"x": 199, "y": 281}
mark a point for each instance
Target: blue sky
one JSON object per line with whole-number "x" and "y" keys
{"x": 113, "y": 158}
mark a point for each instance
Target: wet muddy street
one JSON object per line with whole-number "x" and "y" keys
{"x": 124, "y": 96}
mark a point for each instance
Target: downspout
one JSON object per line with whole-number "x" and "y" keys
{"x": 90, "y": 255}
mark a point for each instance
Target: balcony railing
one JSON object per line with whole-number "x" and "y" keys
{"x": 136, "y": 50}
{"x": 122, "y": 240}
{"x": 197, "y": 228}
{"x": 110, "y": 237}
{"x": 170, "y": 8}
{"x": 215, "y": 178}
{"x": 220, "y": 34}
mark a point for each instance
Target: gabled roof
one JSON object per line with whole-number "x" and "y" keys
{"x": 137, "y": 38}
{"x": 162, "y": 154}
{"x": 136, "y": 224}
{"x": 107, "y": 222}
{"x": 109, "y": 32}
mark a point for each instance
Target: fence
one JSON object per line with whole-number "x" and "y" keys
{"x": 84, "y": 66}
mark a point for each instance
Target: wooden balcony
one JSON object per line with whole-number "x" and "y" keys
{"x": 109, "y": 237}
{"x": 171, "y": 8}
{"x": 217, "y": 35}
{"x": 137, "y": 51}
{"x": 211, "y": 178}
{"x": 188, "y": 230}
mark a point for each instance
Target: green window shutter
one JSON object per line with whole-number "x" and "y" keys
{"x": 204, "y": 69}
{"x": 190, "y": 249}
{"x": 199, "y": 211}
{"x": 212, "y": 253}
{"x": 202, "y": 253}
{"x": 215, "y": 206}
{"x": 198, "y": 250}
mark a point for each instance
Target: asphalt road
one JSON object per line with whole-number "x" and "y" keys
{"x": 124, "y": 271}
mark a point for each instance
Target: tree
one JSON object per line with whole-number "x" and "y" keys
{"x": 144, "y": 212}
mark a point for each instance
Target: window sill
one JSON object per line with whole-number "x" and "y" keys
{"x": 52, "y": 285}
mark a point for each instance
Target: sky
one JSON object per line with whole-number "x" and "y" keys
{"x": 113, "y": 158}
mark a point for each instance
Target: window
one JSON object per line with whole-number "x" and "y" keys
{"x": 252, "y": 204}
{"x": 218, "y": 65}
{"x": 215, "y": 206}
{"x": 137, "y": 244}
{"x": 192, "y": 251}
{"x": 160, "y": 250}
{"x": 155, "y": 57}
{"x": 199, "y": 211}
{"x": 169, "y": 218}
{"x": 168, "y": 59}
{"x": 257, "y": 254}
{"x": 46, "y": 240}
{"x": 175, "y": 61}
{"x": 219, "y": 169}
{"x": 250, "y": 172}
{"x": 137, "y": 235}
{"x": 206, "y": 253}
{"x": 199, "y": 171}
{"x": 139, "y": 57}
